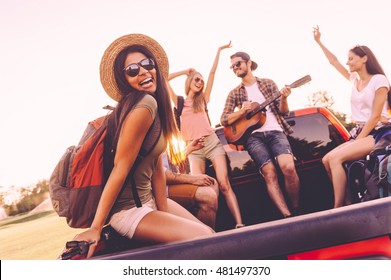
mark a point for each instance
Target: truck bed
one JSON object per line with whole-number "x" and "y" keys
{"x": 357, "y": 231}
{"x": 287, "y": 238}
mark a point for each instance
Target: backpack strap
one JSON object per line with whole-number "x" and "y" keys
{"x": 181, "y": 102}
{"x": 383, "y": 174}
{"x": 356, "y": 179}
{"x": 178, "y": 110}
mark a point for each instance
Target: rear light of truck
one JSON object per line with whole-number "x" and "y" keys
{"x": 379, "y": 247}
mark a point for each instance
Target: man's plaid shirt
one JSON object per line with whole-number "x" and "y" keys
{"x": 238, "y": 95}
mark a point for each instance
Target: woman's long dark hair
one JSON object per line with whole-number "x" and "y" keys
{"x": 130, "y": 97}
{"x": 373, "y": 66}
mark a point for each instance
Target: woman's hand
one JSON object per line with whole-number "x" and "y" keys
{"x": 195, "y": 145}
{"x": 189, "y": 71}
{"x": 91, "y": 235}
{"x": 316, "y": 32}
{"x": 225, "y": 46}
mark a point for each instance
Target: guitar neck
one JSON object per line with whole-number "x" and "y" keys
{"x": 269, "y": 100}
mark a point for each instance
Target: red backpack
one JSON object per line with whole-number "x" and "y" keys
{"x": 77, "y": 181}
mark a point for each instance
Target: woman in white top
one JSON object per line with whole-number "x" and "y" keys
{"x": 369, "y": 108}
{"x": 195, "y": 124}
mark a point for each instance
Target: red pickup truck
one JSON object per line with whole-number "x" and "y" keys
{"x": 358, "y": 231}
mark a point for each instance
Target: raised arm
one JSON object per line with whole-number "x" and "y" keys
{"x": 329, "y": 55}
{"x": 173, "y": 95}
{"x": 211, "y": 77}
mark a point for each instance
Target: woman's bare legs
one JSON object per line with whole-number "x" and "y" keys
{"x": 176, "y": 209}
{"x": 333, "y": 163}
{"x": 220, "y": 166}
{"x": 326, "y": 158}
{"x": 175, "y": 225}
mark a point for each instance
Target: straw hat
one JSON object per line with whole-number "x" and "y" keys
{"x": 107, "y": 63}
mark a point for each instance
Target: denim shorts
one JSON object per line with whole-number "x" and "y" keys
{"x": 264, "y": 147}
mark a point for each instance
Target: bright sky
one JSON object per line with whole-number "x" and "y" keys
{"x": 51, "y": 51}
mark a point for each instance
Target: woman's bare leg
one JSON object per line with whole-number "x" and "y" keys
{"x": 162, "y": 227}
{"x": 329, "y": 155}
{"x": 220, "y": 166}
{"x": 352, "y": 151}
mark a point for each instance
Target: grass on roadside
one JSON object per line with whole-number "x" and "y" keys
{"x": 39, "y": 236}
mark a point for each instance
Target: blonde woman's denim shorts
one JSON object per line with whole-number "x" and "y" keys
{"x": 212, "y": 148}
{"x": 125, "y": 222}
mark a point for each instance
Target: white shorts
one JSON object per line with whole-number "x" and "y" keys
{"x": 125, "y": 222}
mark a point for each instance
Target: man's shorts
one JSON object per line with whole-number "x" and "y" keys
{"x": 266, "y": 146}
{"x": 212, "y": 148}
{"x": 184, "y": 194}
{"x": 125, "y": 222}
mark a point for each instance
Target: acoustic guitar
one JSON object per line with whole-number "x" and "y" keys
{"x": 238, "y": 132}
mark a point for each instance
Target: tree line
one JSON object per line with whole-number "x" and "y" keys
{"x": 29, "y": 198}
{"x": 323, "y": 99}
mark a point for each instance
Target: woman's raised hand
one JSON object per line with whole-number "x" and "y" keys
{"x": 316, "y": 32}
{"x": 189, "y": 71}
{"x": 225, "y": 46}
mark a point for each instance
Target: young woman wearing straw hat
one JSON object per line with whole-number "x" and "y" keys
{"x": 133, "y": 72}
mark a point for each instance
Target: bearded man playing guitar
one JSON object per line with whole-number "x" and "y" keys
{"x": 266, "y": 142}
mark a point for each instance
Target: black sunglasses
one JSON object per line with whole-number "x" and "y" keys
{"x": 198, "y": 80}
{"x": 237, "y": 64}
{"x": 133, "y": 69}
